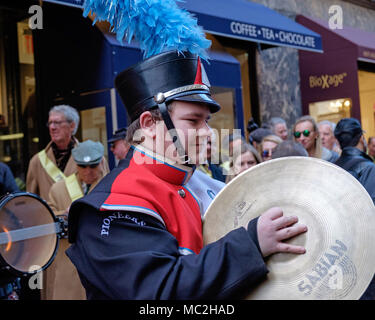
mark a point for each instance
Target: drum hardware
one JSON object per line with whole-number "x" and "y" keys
{"x": 29, "y": 235}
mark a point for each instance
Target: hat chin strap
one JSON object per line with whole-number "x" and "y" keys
{"x": 173, "y": 133}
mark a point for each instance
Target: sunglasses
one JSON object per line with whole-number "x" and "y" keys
{"x": 92, "y": 166}
{"x": 306, "y": 133}
{"x": 265, "y": 153}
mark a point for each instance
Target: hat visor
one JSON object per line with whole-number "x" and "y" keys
{"x": 113, "y": 139}
{"x": 89, "y": 163}
{"x": 197, "y": 97}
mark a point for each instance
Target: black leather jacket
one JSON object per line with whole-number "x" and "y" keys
{"x": 359, "y": 165}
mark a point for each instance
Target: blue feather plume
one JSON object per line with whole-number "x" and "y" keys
{"x": 158, "y": 25}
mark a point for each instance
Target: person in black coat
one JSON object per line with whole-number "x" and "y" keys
{"x": 7, "y": 182}
{"x": 354, "y": 159}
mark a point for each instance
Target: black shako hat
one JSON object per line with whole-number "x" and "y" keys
{"x": 162, "y": 78}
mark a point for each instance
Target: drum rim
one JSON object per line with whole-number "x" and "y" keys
{"x": 5, "y": 266}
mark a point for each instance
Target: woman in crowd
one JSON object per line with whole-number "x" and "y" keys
{"x": 269, "y": 143}
{"x": 241, "y": 161}
{"x": 305, "y": 131}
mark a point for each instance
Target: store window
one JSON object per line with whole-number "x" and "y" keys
{"x": 93, "y": 126}
{"x": 366, "y": 82}
{"x": 332, "y": 110}
{"x": 240, "y": 51}
{"x": 225, "y": 118}
{"x": 18, "y": 123}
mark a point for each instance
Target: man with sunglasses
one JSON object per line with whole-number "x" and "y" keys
{"x": 62, "y": 279}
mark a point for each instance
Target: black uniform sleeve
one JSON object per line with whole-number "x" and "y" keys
{"x": 125, "y": 255}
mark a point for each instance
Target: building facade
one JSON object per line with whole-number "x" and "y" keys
{"x": 280, "y": 92}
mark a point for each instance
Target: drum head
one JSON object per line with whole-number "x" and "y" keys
{"x": 339, "y": 262}
{"x": 28, "y": 234}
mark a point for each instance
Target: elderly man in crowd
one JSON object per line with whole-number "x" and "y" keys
{"x": 279, "y": 128}
{"x": 326, "y": 131}
{"x": 63, "y": 281}
{"x": 55, "y": 161}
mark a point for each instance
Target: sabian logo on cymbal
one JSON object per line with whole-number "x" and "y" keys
{"x": 332, "y": 276}
{"x": 240, "y": 209}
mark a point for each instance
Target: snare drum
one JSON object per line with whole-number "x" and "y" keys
{"x": 29, "y": 235}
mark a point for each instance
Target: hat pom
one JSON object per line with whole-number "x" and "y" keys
{"x": 158, "y": 25}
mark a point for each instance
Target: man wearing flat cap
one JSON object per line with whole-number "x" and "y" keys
{"x": 62, "y": 279}
{"x": 138, "y": 234}
{"x": 118, "y": 144}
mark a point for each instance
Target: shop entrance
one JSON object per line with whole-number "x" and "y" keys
{"x": 366, "y": 82}
{"x": 332, "y": 110}
{"x": 18, "y": 123}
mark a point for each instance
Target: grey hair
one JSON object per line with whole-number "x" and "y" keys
{"x": 274, "y": 121}
{"x": 331, "y": 124}
{"x": 70, "y": 113}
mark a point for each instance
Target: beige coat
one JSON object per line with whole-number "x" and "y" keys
{"x": 59, "y": 198}
{"x": 61, "y": 277}
{"x": 38, "y": 181}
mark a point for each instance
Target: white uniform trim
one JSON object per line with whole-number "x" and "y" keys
{"x": 119, "y": 207}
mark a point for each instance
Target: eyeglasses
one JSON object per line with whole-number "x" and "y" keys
{"x": 92, "y": 166}
{"x": 306, "y": 133}
{"x": 56, "y": 123}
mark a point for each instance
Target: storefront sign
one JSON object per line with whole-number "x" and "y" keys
{"x": 270, "y": 35}
{"x": 325, "y": 81}
{"x": 368, "y": 54}
{"x": 217, "y": 23}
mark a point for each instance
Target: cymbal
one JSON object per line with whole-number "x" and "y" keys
{"x": 339, "y": 262}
